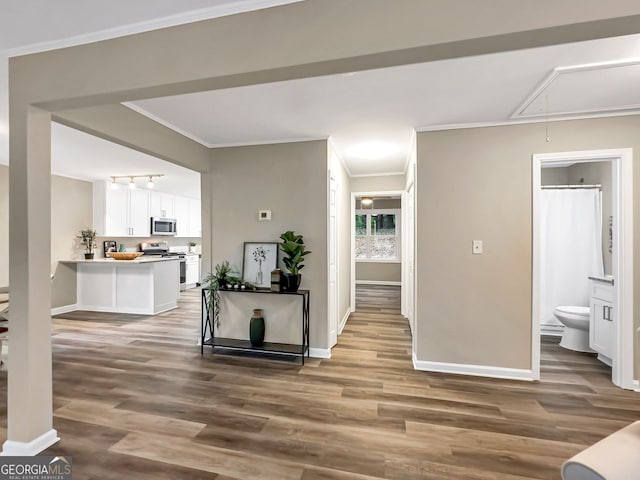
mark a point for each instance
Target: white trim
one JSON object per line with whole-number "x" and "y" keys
{"x": 320, "y": 352}
{"x": 11, "y": 448}
{"x": 377, "y": 175}
{"x": 334, "y": 149}
{"x": 636, "y": 385}
{"x": 519, "y": 112}
{"x": 473, "y": 370}
{"x": 524, "y": 121}
{"x": 412, "y": 141}
{"x": 376, "y": 260}
{"x": 378, "y": 282}
{"x": 64, "y": 309}
{"x": 552, "y": 330}
{"x": 343, "y": 322}
{"x": 622, "y": 371}
{"x": 148, "y": 25}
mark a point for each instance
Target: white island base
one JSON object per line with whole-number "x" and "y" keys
{"x": 142, "y": 287}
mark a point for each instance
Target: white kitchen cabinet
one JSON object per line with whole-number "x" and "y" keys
{"x": 139, "y": 218}
{"x": 162, "y": 205}
{"x": 121, "y": 212}
{"x": 601, "y": 328}
{"x": 192, "y": 264}
{"x": 181, "y": 205}
{"x": 195, "y": 218}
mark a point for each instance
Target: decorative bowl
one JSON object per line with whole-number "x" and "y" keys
{"x": 124, "y": 255}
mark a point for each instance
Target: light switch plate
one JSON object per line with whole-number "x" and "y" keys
{"x": 264, "y": 216}
{"x": 476, "y": 248}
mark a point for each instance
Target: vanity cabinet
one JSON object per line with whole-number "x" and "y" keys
{"x": 601, "y": 328}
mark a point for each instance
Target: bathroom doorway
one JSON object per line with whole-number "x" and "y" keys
{"x": 582, "y": 257}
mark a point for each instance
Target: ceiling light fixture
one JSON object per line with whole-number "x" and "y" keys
{"x": 366, "y": 201}
{"x": 132, "y": 180}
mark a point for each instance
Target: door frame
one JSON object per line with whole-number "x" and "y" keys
{"x": 622, "y": 261}
{"x": 354, "y": 195}
{"x": 333, "y": 179}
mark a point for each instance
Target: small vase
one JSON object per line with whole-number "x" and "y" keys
{"x": 256, "y": 328}
{"x": 88, "y": 256}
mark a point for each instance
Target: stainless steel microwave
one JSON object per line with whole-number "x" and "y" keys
{"x": 163, "y": 226}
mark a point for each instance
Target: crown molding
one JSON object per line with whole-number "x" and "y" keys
{"x": 462, "y": 126}
{"x": 519, "y": 112}
{"x": 340, "y": 157}
{"x": 377, "y": 174}
{"x": 240, "y": 6}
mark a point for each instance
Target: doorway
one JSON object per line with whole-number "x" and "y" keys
{"x": 620, "y": 317}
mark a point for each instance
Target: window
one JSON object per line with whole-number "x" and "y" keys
{"x": 378, "y": 235}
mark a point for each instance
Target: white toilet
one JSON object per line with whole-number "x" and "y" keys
{"x": 576, "y": 328}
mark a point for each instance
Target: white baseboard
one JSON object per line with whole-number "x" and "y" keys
{"x": 378, "y": 282}
{"x": 11, "y": 448}
{"x": 320, "y": 352}
{"x": 343, "y": 322}
{"x": 552, "y": 330}
{"x": 64, "y": 309}
{"x": 474, "y": 370}
{"x": 636, "y": 385}
{"x": 606, "y": 360}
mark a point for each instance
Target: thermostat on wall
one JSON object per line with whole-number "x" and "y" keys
{"x": 264, "y": 215}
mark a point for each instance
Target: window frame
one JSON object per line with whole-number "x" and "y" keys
{"x": 381, "y": 211}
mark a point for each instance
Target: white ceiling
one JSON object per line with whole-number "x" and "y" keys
{"x": 385, "y": 105}
{"x": 78, "y": 155}
{"x": 370, "y": 115}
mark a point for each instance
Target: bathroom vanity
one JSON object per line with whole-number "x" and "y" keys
{"x": 601, "y": 328}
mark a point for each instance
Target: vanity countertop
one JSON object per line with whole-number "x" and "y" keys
{"x": 608, "y": 279}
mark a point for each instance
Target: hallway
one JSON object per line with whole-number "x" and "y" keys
{"x": 133, "y": 398}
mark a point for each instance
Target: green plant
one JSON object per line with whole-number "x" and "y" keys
{"x": 222, "y": 276}
{"x": 192, "y": 244}
{"x": 292, "y": 246}
{"x": 87, "y": 239}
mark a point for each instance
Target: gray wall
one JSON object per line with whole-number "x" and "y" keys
{"x": 378, "y": 183}
{"x": 378, "y": 272}
{"x": 71, "y": 211}
{"x": 4, "y": 225}
{"x": 476, "y": 309}
{"x": 291, "y": 181}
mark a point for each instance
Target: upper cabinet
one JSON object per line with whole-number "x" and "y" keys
{"x": 121, "y": 212}
{"x": 127, "y": 213}
{"x": 162, "y": 205}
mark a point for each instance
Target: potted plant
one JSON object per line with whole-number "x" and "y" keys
{"x": 192, "y": 247}
{"x": 292, "y": 246}
{"x": 88, "y": 241}
{"x": 223, "y": 277}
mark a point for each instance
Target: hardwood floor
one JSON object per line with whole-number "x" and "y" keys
{"x": 133, "y": 399}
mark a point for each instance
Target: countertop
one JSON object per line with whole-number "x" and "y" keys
{"x": 138, "y": 260}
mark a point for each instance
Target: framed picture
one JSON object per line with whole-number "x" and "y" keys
{"x": 109, "y": 246}
{"x": 258, "y": 261}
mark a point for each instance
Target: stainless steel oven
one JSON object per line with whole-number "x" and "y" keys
{"x": 164, "y": 226}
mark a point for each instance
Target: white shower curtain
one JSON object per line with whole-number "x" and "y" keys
{"x": 571, "y": 248}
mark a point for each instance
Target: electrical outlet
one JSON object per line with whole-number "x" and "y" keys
{"x": 264, "y": 216}
{"x": 476, "y": 248}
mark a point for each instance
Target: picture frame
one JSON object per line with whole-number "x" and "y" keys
{"x": 109, "y": 246}
{"x": 258, "y": 260}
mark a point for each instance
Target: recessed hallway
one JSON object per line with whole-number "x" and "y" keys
{"x": 134, "y": 399}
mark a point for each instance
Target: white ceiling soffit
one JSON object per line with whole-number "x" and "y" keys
{"x": 604, "y": 87}
{"x": 76, "y": 154}
{"x": 66, "y": 23}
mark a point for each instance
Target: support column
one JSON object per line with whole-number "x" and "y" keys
{"x": 30, "y": 399}
{"x": 206, "y": 199}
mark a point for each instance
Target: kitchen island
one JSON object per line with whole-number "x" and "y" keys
{"x": 144, "y": 286}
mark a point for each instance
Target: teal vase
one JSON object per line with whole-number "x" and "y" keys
{"x": 256, "y": 328}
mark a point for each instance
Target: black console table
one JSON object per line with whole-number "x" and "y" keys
{"x": 208, "y": 337}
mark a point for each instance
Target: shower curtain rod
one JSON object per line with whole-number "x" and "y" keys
{"x": 559, "y": 187}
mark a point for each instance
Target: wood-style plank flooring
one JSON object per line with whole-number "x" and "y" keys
{"x": 133, "y": 399}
